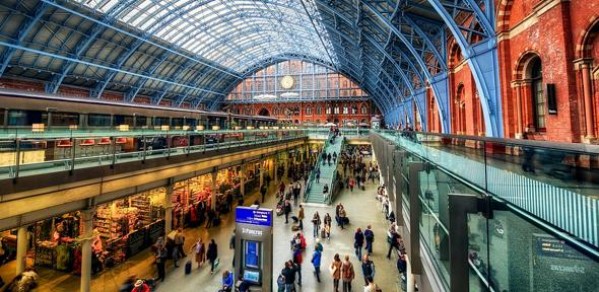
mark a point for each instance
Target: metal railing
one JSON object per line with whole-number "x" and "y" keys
{"x": 29, "y": 153}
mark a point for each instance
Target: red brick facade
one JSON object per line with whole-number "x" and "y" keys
{"x": 307, "y": 112}
{"x": 563, "y": 35}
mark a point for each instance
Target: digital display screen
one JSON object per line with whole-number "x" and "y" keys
{"x": 251, "y": 276}
{"x": 252, "y": 254}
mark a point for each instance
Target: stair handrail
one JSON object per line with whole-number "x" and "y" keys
{"x": 317, "y": 164}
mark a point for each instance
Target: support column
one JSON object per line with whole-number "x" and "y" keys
{"x": 22, "y": 246}
{"x": 588, "y": 100}
{"x": 276, "y": 166}
{"x": 415, "y": 211}
{"x": 459, "y": 206}
{"x": 213, "y": 187}
{"x": 87, "y": 227}
{"x": 410, "y": 278}
{"x": 261, "y": 173}
{"x": 168, "y": 207}
{"x": 241, "y": 182}
{"x": 286, "y": 165}
{"x": 518, "y": 88}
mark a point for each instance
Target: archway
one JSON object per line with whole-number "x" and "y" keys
{"x": 588, "y": 66}
{"x": 264, "y": 112}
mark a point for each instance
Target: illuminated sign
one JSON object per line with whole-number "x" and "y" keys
{"x": 247, "y": 215}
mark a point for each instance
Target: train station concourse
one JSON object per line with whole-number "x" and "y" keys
{"x": 299, "y": 145}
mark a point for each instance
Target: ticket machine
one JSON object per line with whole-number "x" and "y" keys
{"x": 253, "y": 246}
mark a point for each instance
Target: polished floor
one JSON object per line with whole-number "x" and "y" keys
{"x": 362, "y": 209}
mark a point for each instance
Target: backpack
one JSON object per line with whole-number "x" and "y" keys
{"x": 369, "y": 236}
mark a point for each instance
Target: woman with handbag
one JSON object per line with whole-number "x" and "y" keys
{"x": 335, "y": 270}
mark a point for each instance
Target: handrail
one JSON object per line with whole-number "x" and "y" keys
{"x": 553, "y": 145}
{"x": 313, "y": 172}
{"x": 111, "y": 155}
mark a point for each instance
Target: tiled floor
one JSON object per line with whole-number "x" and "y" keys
{"x": 362, "y": 209}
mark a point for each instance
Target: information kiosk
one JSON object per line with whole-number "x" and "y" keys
{"x": 253, "y": 246}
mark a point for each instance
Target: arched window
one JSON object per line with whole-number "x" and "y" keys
{"x": 364, "y": 110}
{"x": 538, "y": 97}
{"x": 308, "y": 110}
{"x": 319, "y": 110}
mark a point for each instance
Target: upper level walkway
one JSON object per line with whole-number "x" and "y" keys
{"x": 553, "y": 183}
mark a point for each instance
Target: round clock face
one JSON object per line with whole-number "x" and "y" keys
{"x": 287, "y": 82}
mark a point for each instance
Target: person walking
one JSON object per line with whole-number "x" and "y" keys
{"x": 268, "y": 179}
{"x": 335, "y": 269}
{"x": 160, "y": 258}
{"x": 347, "y": 274}
{"x": 352, "y": 183}
{"x": 325, "y": 192}
{"x": 318, "y": 175}
{"x": 210, "y": 214}
{"x": 316, "y": 257}
{"x": 358, "y": 242}
{"x": 393, "y": 242}
{"x": 298, "y": 259}
{"x": 199, "y": 250}
{"x": 342, "y": 217}
{"x": 316, "y": 223}
{"x": 263, "y": 191}
{"x": 180, "y": 242}
{"x": 300, "y": 216}
{"x": 287, "y": 210}
{"x": 232, "y": 246}
{"x": 289, "y": 274}
{"x": 212, "y": 254}
{"x": 329, "y": 157}
{"x": 369, "y": 237}
{"x": 368, "y": 269}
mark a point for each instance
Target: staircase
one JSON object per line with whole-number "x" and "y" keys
{"x": 327, "y": 174}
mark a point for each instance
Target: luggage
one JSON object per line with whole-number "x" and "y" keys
{"x": 323, "y": 233}
{"x": 279, "y": 211}
{"x": 345, "y": 220}
{"x": 188, "y": 268}
{"x": 295, "y": 227}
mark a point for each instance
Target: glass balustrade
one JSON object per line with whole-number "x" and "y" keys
{"x": 25, "y": 153}
{"x": 546, "y": 237}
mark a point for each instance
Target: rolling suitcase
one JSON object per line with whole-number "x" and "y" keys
{"x": 323, "y": 234}
{"x": 188, "y": 268}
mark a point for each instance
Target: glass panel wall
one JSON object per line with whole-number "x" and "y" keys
{"x": 294, "y": 79}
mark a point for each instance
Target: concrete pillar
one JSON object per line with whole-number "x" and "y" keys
{"x": 286, "y": 165}
{"x": 214, "y": 189}
{"x": 588, "y": 100}
{"x": 261, "y": 174}
{"x": 87, "y": 227}
{"x": 22, "y": 246}
{"x": 410, "y": 278}
{"x": 276, "y": 165}
{"x": 168, "y": 208}
{"x": 241, "y": 182}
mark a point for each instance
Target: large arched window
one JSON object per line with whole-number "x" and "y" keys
{"x": 308, "y": 110}
{"x": 539, "y": 105}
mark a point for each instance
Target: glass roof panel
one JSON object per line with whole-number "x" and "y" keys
{"x": 233, "y": 33}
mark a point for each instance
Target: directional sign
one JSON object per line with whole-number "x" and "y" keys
{"x": 248, "y": 215}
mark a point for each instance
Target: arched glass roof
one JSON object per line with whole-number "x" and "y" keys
{"x": 194, "y": 52}
{"x": 233, "y": 34}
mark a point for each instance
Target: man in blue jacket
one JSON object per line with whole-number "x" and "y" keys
{"x": 316, "y": 256}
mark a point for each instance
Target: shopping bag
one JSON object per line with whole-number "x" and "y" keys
{"x": 216, "y": 262}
